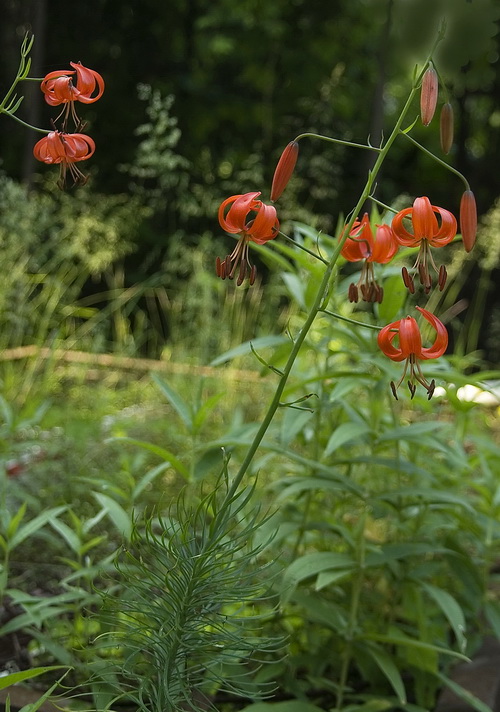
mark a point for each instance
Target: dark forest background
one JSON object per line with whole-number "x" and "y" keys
{"x": 202, "y": 96}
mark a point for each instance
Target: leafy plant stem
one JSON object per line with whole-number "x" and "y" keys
{"x": 322, "y": 295}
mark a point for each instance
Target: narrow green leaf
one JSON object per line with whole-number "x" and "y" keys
{"x": 67, "y": 534}
{"x": 293, "y": 422}
{"x": 311, "y": 564}
{"x": 413, "y": 431}
{"x": 16, "y": 521}
{"x": 344, "y": 434}
{"x": 245, "y": 348}
{"x": 464, "y": 694}
{"x": 451, "y": 610}
{"x": 178, "y": 404}
{"x": 156, "y": 450}
{"x": 116, "y": 513}
{"x": 412, "y": 643}
{"x": 492, "y": 612}
{"x": 295, "y": 286}
{"x": 33, "y": 706}
{"x": 34, "y": 525}
{"x": 297, "y": 485}
{"x": 205, "y": 409}
{"x": 15, "y": 677}
{"x": 148, "y": 478}
{"x": 388, "y": 667}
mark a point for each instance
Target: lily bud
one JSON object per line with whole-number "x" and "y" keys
{"x": 468, "y": 219}
{"x": 446, "y": 127}
{"x": 429, "y": 95}
{"x": 284, "y": 169}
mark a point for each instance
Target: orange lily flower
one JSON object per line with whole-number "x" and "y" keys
{"x": 427, "y": 232}
{"x": 66, "y": 150}
{"x": 410, "y": 348}
{"x": 253, "y": 221}
{"x": 362, "y": 245}
{"x": 59, "y": 88}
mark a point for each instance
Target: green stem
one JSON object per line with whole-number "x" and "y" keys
{"x": 350, "y": 321}
{"x": 366, "y": 146}
{"x": 382, "y": 205}
{"x": 304, "y": 249}
{"x": 20, "y": 121}
{"x": 438, "y": 160}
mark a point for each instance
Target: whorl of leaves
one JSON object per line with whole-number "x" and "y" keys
{"x": 185, "y": 616}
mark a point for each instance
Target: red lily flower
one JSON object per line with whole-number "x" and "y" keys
{"x": 253, "y": 221}
{"x": 59, "y": 88}
{"x": 65, "y": 149}
{"x": 410, "y": 348}
{"x": 362, "y": 245}
{"x": 427, "y": 232}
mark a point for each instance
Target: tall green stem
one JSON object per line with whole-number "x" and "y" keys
{"x": 324, "y": 287}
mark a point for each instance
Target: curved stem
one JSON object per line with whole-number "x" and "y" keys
{"x": 366, "y": 146}
{"x": 350, "y": 321}
{"x": 20, "y": 121}
{"x": 304, "y": 249}
{"x": 382, "y": 205}
{"x": 438, "y": 160}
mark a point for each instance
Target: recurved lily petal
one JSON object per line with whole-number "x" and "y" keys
{"x": 440, "y": 342}
{"x": 88, "y": 81}
{"x": 234, "y": 220}
{"x": 263, "y": 227}
{"x": 385, "y": 338}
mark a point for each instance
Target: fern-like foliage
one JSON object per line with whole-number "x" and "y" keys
{"x": 185, "y": 618}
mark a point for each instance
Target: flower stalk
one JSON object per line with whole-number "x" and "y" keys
{"x": 321, "y": 298}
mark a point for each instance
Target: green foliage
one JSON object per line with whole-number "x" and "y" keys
{"x": 186, "y": 618}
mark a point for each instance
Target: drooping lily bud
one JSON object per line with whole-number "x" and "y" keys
{"x": 446, "y": 127}
{"x": 284, "y": 169}
{"x": 429, "y": 95}
{"x": 468, "y": 219}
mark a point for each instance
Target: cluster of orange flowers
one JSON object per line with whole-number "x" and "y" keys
{"x": 61, "y": 146}
{"x": 423, "y": 225}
